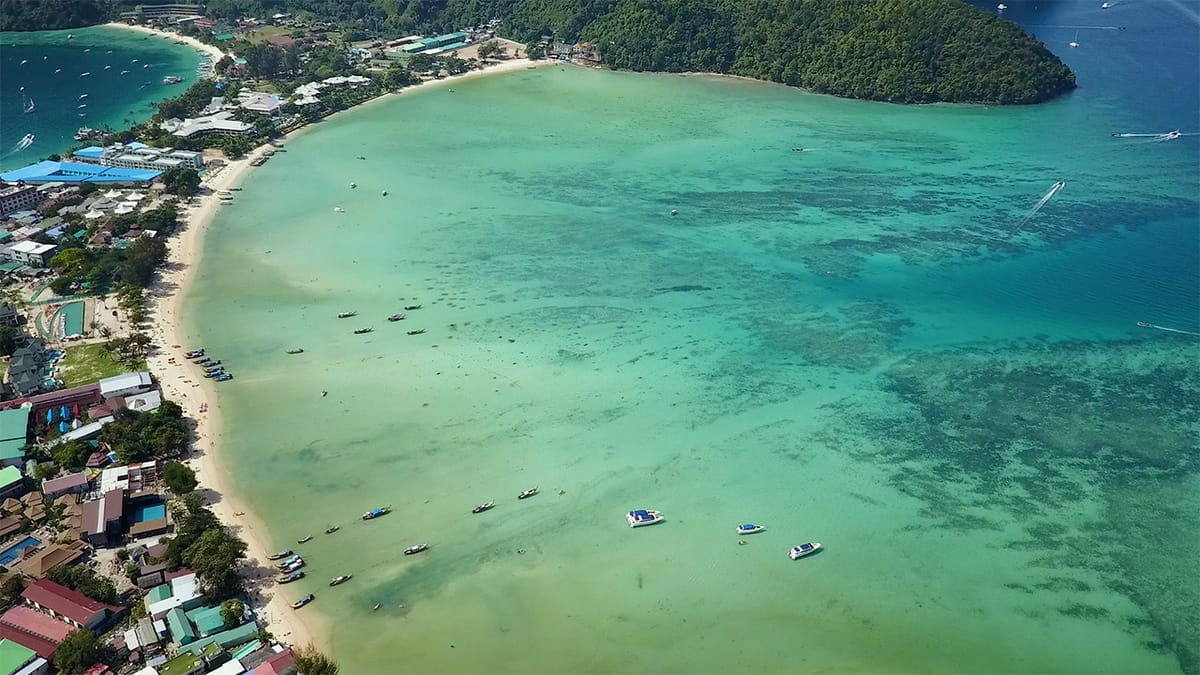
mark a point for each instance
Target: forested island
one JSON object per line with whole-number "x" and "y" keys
{"x": 902, "y": 51}
{"x": 25, "y": 15}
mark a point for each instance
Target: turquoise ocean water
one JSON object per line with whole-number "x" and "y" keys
{"x": 113, "y": 99}
{"x": 860, "y": 344}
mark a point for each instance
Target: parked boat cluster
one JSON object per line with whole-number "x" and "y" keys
{"x": 398, "y": 316}
{"x": 213, "y": 369}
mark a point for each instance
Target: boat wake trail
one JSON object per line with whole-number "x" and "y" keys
{"x": 1175, "y": 330}
{"x": 1038, "y": 206}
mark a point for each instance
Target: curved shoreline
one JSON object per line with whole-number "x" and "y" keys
{"x": 210, "y": 50}
{"x": 165, "y": 307}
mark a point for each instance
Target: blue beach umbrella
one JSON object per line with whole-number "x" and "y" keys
{"x": 49, "y": 415}
{"x": 64, "y": 413}
{"x": 63, "y": 427}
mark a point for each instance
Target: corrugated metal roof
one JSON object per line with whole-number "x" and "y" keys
{"x": 14, "y": 424}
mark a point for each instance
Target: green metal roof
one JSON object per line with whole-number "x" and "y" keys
{"x": 159, "y": 593}
{"x": 181, "y": 628}
{"x": 14, "y": 449}
{"x": 13, "y": 656}
{"x": 8, "y": 476}
{"x": 10, "y": 266}
{"x": 186, "y": 662}
{"x": 5, "y": 235}
{"x": 230, "y": 638}
{"x": 207, "y": 620}
{"x": 14, "y": 424}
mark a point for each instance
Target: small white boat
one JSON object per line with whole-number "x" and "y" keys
{"x": 750, "y": 528}
{"x": 1002, "y": 7}
{"x": 1073, "y": 43}
{"x": 353, "y": 185}
{"x": 1105, "y": 6}
{"x": 338, "y": 209}
{"x": 802, "y": 550}
{"x": 644, "y": 517}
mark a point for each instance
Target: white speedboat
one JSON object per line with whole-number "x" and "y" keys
{"x": 643, "y": 518}
{"x": 750, "y": 528}
{"x": 802, "y": 550}
{"x": 1002, "y": 7}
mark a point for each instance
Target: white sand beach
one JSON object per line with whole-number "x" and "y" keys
{"x": 184, "y": 384}
{"x": 212, "y": 51}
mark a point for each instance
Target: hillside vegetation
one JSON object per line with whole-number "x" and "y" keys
{"x": 908, "y": 51}
{"x": 23, "y": 15}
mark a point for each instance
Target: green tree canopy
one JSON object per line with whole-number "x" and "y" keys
{"x": 179, "y": 477}
{"x": 181, "y": 180}
{"x": 232, "y": 611}
{"x": 78, "y": 652}
{"x": 309, "y": 661}
{"x": 84, "y": 580}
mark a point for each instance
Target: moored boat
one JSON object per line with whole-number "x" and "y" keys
{"x": 290, "y": 559}
{"x": 279, "y": 556}
{"x": 295, "y": 351}
{"x": 331, "y": 530}
{"x": 361, "y": 331}
{"x": 644, "y": 517}
{"x": 749, "y": 528}
{"x": 346, "y": 315}
{"x": 416, "y": 549}
{"x": 483, "y": 507}
{"x": 303, "y": 601}
{"x": 1143, "y": 324}
{"x": 528, "y": 493}
{"x": 416, "y": 331}
{"x": 396, "y": 317}
{"x": 294, "y": 566}
{"x": 409, "y": 308}
{"x": 802, "y": 550}
{"x": 340, "y": 580}
{"x": 375, "y": 513}
{"x": 301, "y": 541}
{"x": 289, "y": 578}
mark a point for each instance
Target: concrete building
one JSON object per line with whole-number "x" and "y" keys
{"x": 18, "y": 197}
{"x": 68, "y": 605}
{"x": 220, "y": 124}
{"x": 132, "y": 478}
{"x": 30, "y": 253}
{"x": 140, "y": 156}
{"x": 183, "y": 592}
{"x": 128, "y": 384}
{"x": 9, "y": 316}
{"x": 12, "y": 483}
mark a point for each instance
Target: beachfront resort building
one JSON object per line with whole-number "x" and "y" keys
{"x": 18, "y": 197}
{"x": 260, "y": 102}
{"x": 306, "y": 94}
{"x": 69, "y": 606}
{"x": 220, "y": 124}
{"x": 128, "y": 384}
{"x": 140, "y": 156}
{"x": 163, "y": 12}
{"x": 50, "y": 171}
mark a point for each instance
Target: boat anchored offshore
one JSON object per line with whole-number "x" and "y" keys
{"x": 172, "y": 79}
{"x": 416, "y": 331}
{"x": 416, "y": 549}
{"x": 346, "y": 315}
{"x": 644, "y": 517}
{"x": 306, "y": 538}
{"x": 375, "y": 513}
{"x": 396, "y": 317}
{"x": 483, "y": 507}
{"x": 362, "y": 331}
{"x": 303, "y": 601}
{"x": 295, "y": 351}
{"x": 802, "y": 550}
{"x": 750, "y": 528}
{"x": 335, "y": 528}
{"x": 340, "y": 580}
{"x": 528, "y": 493}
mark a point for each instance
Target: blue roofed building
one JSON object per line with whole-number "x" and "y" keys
{"x": 207, "y": 620}
{"x": 75, "y": 172}
{"x": 226, "y": 639}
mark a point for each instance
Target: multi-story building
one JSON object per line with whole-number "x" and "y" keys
{"x": 164, "y": 12}
{"x": 140, "y": 156}
{"x": 31, "y": 253}
{"x": 17, "y": 197}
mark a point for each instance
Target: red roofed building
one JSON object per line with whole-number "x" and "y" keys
{"x": 34, "y": 630}
{"x": 71, "y": 606}
{"x": 282, "y": 663}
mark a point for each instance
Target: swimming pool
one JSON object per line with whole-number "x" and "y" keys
{"x": 13, "y": 552}
{"x": 72, "y": 318}
{"x": 149, "y": 512}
